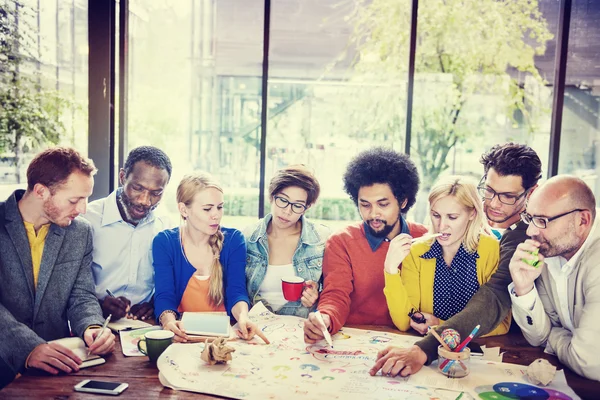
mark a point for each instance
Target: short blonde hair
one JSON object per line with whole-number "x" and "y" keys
{"x": 465, "y": 192}
{"x": 189, "y": 186}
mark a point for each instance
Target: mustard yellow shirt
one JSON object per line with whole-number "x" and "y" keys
{"x": 36, "y": 244}
{"x": 413, "y": 286}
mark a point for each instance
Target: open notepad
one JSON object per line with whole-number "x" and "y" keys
{"x": 126, "y": 323}
{"x": 77, "y": 346}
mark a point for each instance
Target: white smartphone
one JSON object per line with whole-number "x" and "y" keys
{"x": 112, "y": 388}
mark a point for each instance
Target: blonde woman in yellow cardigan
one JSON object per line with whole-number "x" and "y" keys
{"x": 439, "y": 277}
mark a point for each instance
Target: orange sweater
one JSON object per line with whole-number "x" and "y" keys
{"x": 354, "y": 278}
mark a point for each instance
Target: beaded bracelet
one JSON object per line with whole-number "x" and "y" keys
{"x": 160, "y": 319}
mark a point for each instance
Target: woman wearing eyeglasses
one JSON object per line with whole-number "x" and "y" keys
{"x": 284, "y": 243}
{"x": 440, "y": 276}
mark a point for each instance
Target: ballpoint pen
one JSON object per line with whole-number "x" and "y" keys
{"x": 425, "y": 237}
{"x": 324, "y": 328}
{"x": 101, "y": 330}
{"x": 114, "y": 297}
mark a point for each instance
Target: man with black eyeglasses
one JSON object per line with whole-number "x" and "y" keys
{"x": 556, "y": 280}
{"x": 511, "y": 173}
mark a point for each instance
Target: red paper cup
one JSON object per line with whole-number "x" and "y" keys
{"x": 292, "y": 287}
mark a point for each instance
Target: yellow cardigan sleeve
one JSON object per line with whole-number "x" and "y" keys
{"x": 403, "y": 292}
{"x": 487, "y": 264}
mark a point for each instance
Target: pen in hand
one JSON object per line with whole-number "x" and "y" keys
{"x": 101, "y": 331}
{"x": 111, "y": 294}
{"x": 324, "y": 328}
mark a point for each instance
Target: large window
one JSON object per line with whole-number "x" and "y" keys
{"x": 330, "y": 93}
{"x": 43, "y": 82}
{"x": 580, "y": 140}
{"x": 195, "y": 91}
{"x": 482, "y": 77}
{"x": 337, "y": 84}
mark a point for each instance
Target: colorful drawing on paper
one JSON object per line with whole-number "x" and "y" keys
{"x": 516, "y": 390}
{"x": 290, "y": 369}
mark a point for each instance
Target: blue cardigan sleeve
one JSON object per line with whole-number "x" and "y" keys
{"x": 233, "y": 259}
{"x": 165, "y": 296}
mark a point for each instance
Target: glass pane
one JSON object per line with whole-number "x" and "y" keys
{"x": 482, "y": 77}
{"x": 580, "y": 137}
{"x": 337, "y": 86}
{"x": 43, "y": 88}
{"x": 194, "y": 91}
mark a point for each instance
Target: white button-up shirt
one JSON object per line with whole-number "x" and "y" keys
{"x": 122, "y": 256}
{"x": 559, "y": 270}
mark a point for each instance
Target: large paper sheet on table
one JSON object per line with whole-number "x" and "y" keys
{"x": 289, "y": 369}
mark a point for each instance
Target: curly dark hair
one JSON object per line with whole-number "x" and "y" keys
{"x": 380, "y": 165}
{"x": 148, "y": 154}
{"x": 514, "y": 159}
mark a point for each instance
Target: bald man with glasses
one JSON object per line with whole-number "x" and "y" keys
{"x": 557, "y": 302}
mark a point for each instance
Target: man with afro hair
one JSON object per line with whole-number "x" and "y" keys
{"x": 383, "y": 184}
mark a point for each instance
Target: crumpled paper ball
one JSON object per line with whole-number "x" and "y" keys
{"x": 540, "y": 372}
{"x": 217, "y": 351}
{"x": 451, "y": 338}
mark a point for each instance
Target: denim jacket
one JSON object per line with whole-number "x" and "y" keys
{"x": 307, "y": 260}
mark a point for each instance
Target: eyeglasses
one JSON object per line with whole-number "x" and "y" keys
{"x": 282, "y": 202}
{"x": 542, "y": 222}
{"x": 505, "y": 198}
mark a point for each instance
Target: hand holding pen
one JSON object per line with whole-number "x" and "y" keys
{"x": 118, "y": 307}
{"x": 315, "y": 327}
{"x": 99, "y": 341}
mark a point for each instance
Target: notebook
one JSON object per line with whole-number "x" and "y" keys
{"x": 206, "y": 324}
{"x": 125, "y": 323}
{"x": 77, "y": 346}
{"x": 131, "y": 337}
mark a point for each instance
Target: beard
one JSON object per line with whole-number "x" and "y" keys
{"x": 550, "y": 249}
{"x": 500, "y": 220}
{"x": 127, "y": 204}
{"x": 53, "y": 214}
{"x": 564, "y": 244}
{"x": 383, "y": 232}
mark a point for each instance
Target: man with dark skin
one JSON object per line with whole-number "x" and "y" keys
{"x": 124, "y": 226}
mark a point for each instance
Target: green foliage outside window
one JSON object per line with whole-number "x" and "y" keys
{"x": 465, "y": 49}
{"x": 29, "y": 113}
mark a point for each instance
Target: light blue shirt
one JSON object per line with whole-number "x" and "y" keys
{"x": 122, "y": 256}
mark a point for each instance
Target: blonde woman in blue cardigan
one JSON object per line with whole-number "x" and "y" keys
{"x": 439, "y": 277}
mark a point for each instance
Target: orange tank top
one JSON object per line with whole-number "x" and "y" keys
{"x": 195, "y": 297}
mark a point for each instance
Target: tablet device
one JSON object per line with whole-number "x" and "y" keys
{"x": 206, "y": 324}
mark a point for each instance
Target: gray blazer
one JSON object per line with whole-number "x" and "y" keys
{"x": 65, "y": 290}
{"x": 543, "y": 326}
